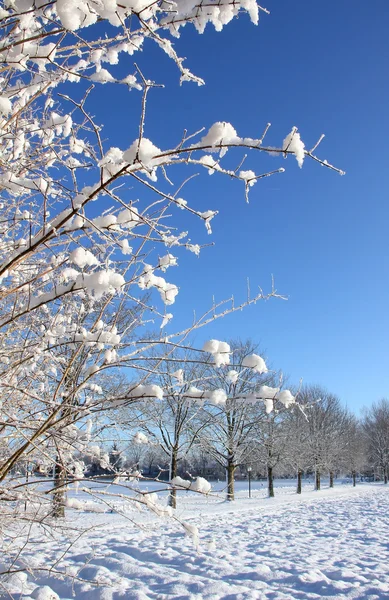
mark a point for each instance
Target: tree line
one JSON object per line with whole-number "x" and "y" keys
{"x": 184, "y": 436}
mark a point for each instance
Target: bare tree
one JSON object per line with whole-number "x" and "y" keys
{"x": 354, "y": 457}
{"x": 325, "y": 426}
{"x": 233, "y": 420}
{"x": 272, "y": 442}
{"x": 375, "y": 425}
{"x": 170, "y": 422}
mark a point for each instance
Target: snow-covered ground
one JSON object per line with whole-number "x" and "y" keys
{"x": 328, "y": 544}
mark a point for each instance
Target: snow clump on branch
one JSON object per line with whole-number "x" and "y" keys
{"x": 167, "y": 290}
{"x": 255, "y": 362}
{"x": 293, "y": 143}
{"x": 198, "y": 485}
{"x": 220, "y": 352}
{"x": 140, "y": 438}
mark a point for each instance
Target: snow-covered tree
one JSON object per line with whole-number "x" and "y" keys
{"x": 354, "y": 457}
{"x": 88, "y": 229}
{"x": 375, "y": 425}
{"x": 238, "y": 402}
{"x": 325, "y": 428}
{"x": 272, "y": 442}
{"x": 170, "y": 422}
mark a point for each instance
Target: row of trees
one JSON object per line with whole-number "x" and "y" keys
{"x": 257, "y": 424}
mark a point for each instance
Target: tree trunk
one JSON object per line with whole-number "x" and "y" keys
{"x": 59, "y": 496}
{"x": 299, "y": 477}
{"x": 230, "y": 481}
{"x": 317, "y": 480}
{"x": 172, "y": 501}
{"x": 270, "y": 485}
{"x": 354, "y": 478}
{"x": 385, "y": 474}
{"x": 331, "y": 479}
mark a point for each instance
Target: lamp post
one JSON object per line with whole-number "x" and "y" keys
{"x": 249, "y": 474}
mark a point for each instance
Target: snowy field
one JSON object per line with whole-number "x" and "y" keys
{"x": 328, "y": 544}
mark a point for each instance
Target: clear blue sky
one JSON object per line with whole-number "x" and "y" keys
{"x": 322, "y": 66}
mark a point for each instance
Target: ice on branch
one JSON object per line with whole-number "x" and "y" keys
{"x": 218, "y": 15}
{"x": 195, "y": 248}
{"x": 91, "y": 371}
{"x": 219, "y": 350}
{"x": 110, "y": 356}
{"x": 255, "y": 362}
{"x": 293, "y": 143}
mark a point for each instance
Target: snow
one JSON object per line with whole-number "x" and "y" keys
{"x": 82, "y": 258}
{"x": 286, "y": 398}
{"x": 265, "y": 391}
{"x": 140, "y": 438}
{"x": 145, "y": 152}
{"x": 328, "y": 544}
{"x": 101, "y": 282}
{"x": 293, "y": 143}
{"x": 128, "y": 218}
{"x": 167, "y": 261}
{"x": 232, "y": 376}
{"x": 248, "y": 176}
{"x": 148, "y": 391}
{"x": 102, "y": 76}
{"x": 217, "y": 397}
{"x": 220, "y": 133}
{"x": 5, "y": 105}
{"x": 167, "y": 290}
{"x": 255, "y": 362}
{"x": 220, "y": 352}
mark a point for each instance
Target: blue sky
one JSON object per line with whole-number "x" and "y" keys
{"x": 322, "y": 66}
